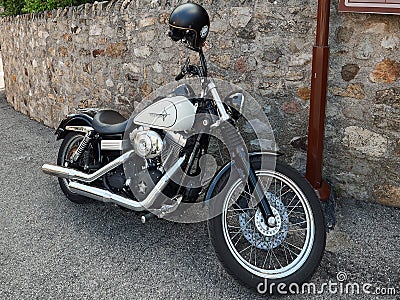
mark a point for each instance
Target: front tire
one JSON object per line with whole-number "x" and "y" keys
{"x": 261, "y": 257}
{"x": 67, "y": 149}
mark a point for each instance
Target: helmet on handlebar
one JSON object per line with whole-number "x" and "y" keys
{"x": 190, "y": 23}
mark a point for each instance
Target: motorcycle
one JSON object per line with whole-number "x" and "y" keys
{"x": 266, "y": 224}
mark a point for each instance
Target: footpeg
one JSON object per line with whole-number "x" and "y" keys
{"x": 164, "y": 210}
{"x": 147, "y": 217}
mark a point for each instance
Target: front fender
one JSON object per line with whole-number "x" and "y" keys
{"x": 228, "y": 166}
{"x": 72, "y": 120}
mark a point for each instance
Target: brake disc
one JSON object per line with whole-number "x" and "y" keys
{"x": 258, "y": 233}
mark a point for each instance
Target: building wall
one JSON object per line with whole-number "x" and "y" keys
{"x": 111, "y": 54}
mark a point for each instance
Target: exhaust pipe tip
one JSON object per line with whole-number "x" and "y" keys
{"x": 46, "y": 168}
{"x": 73, "y": 174}
{"x": 56, "y": 171}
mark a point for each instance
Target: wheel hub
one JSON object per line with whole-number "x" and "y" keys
{"x": 262, "y": 225}
{"x": 258, "y": 233}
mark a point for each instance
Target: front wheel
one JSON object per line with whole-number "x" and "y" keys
{"x": 262, "y": 257}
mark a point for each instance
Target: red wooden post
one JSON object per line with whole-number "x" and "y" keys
{"x": 319, "y": 82}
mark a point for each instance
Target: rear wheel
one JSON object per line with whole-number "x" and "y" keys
{"x": 259, "y": 256}
{"x": 67, "y": 149}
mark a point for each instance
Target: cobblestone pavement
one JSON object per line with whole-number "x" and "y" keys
{"x": 52, "y": 248}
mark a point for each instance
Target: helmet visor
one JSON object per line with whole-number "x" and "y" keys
{"x": 176, "y": 34}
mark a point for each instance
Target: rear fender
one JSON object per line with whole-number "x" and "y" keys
{"x": 78, "y": 123}
{"x": 74, "y": 122}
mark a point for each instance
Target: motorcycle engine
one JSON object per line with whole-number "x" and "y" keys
{"x": 157, "y": 156}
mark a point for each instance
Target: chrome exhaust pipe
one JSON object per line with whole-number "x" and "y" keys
{"x": 80, "y": 176}
{"x": 107, "y": 196}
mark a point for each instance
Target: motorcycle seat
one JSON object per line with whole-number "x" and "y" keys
{"x": 109, "y": 122}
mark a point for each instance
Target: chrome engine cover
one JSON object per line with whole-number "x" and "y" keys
{"x": 146, "y": 143}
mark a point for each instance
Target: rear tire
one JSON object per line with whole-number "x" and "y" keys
{"x": 240, "y": 233}
{"x": 67, "y": 148}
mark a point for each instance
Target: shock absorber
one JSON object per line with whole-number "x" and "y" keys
{"x": 234, "y": 141}
{"x": 82, "y": 146}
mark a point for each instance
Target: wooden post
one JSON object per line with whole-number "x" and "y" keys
{"x": 319, "y": 82}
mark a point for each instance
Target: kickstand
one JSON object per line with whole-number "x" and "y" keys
{"x": 328, "y": 208}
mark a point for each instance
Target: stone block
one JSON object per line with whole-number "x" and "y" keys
{"x": 246, "y": 33}
{"x": 219, "y": 26}
{"x": 356, "y": 110}
{"x": 109, "y": 83}
{"x": 98, "y": 52}
{"x": 84, "y": 52}
{"x": 353, "y": 90}
{"x": 291, "y": 107}
{"x": 157, "y": 67}
{"x": 95, "y": 30}
{"x": 364, "y": 50}
{"x": 365, "y": 142}
{"x": 149, "y": 21}
{"x": 294, "y": 75}
{"x": 304, "y": 93}
{"x": 146, "y": 89}
{"x": 117, "y": 49}
{"x": 397, "y": 148}
{"x": 241, "y": 65}
{"x": 67, "y": 37}
{"x": 344, "y": 34}
{"x": 272, "y": 54}
{"x": 390, "y": 42}
{"x": 223, "y": 61}
{"x": 63, "y": 51}
{"x": 388, "y": 194}
{"x": 349, "y": 71}
{"x": 387, "y": 71}
{"x": 240, "y": 16}
{"x": 142, "y": 51}
{"x": 300, "y": 60}
{"x": 386, "y": 117}
{"x": 299, "y": 142}
{"x": 378, "y": 27}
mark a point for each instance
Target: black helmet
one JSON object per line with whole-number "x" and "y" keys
{"x": 190, "y": 23}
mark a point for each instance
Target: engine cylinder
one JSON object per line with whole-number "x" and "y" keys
{"x": 173, "y": 145}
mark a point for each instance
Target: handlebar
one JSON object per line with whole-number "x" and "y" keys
{"x": 184, "y": 70}
{"x": 187, "y": 68}
{"x": 179, "y": 76}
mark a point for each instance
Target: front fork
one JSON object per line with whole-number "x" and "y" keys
{"x": 255, "y": 186}
{"x": 237, "y": 148}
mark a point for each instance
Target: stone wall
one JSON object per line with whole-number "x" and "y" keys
{"x": 1, "y": 73}
{"x": 111, "y": 54}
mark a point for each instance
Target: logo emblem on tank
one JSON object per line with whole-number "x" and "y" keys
{"x": 163, "y": 115}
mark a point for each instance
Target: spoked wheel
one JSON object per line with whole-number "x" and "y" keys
{"x": 67, "y": 149}
{"x": 254, "y": 253}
